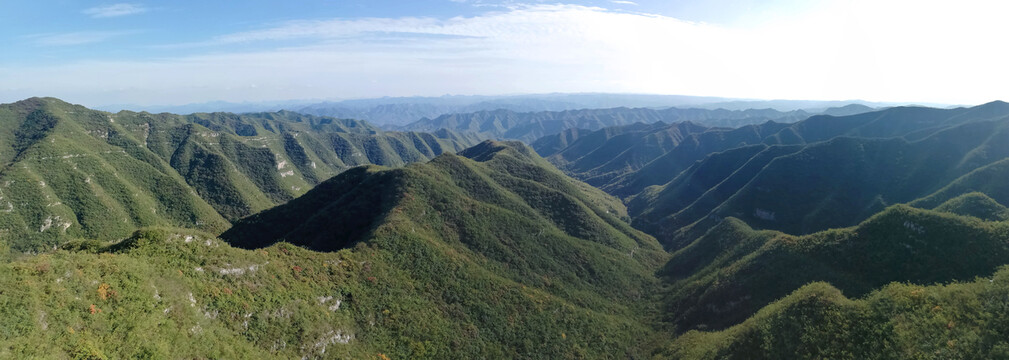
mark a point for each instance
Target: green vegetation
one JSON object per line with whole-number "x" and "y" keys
{"x": 599, "y": 156}
{"x": 486, "y": 254}
{"x": 74, "y": 173}
{"x": 800, "y": 189}
{"x": 492, "y": 252}
{"x": 730, "y": 273}
{"x": 963, "y": 320}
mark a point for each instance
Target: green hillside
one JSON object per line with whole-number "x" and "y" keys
{"x": 71, "y": 172}
{"x": 824, "y": 185}
{"x": 899, "y": 321}
{"x": 496, "y": 203}
{"x": 977, "y": 205}
{"x": 727, "y": 275}
{"x": 488, "y": 254}
{"x": 911, "y": 123}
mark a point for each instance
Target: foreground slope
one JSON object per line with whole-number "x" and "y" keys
{"x": 71, "y": 172}
{"x": 899, "y": 321}
{"x": 486, "y": 254}
{"x": 495, "y": 214}
{"x": 728, "y": 274}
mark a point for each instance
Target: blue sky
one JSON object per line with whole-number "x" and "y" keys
{"x": 176, "y": 52}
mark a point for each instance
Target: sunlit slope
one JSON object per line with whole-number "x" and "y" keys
{"x": 470, "y": 229}
{"x": 899, "y": 321}
{"x": 71, "y": 172}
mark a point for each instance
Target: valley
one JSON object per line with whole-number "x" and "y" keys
{"x": 288, "y": 235}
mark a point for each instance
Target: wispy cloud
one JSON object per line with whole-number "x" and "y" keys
{"x": 851, "y": 49}
{"x": 74, "y": 38}
{"x": 116, "y": 10}
{"x": 623, "y": 2}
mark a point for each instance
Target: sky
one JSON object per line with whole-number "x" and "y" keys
{"x": 186, "y": 51}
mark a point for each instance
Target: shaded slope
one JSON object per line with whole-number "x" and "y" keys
{"x": 696, "y": 147}
{"x": 601, "y": 155}
{"x": 829, "y": 184}
{"x": 912, "y": 123}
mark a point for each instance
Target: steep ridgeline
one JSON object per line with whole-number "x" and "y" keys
{"x": 913, "y": 123}
{"x": 509, "y": 257}
{"x": 732, "y": 271}
{"x": 898, "y": 321}
{"x": 597, "y": 157}
{"x": 504, "y": 124}
{"x": 625, "y": 160}
{"x": 735, "y": 273}
{"x": 72, "y": 172}
{"x": 801, "y": 189}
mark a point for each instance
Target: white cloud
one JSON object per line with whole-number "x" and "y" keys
{"x": 623, "y": 2}
{"x": 875, "y": 50}
{"x": 115, "y": 10}
{"x": 74, "y": 38}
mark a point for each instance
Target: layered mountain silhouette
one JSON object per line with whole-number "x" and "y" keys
{"x": 530, "y": 126}
{"x": 809, "y": 187}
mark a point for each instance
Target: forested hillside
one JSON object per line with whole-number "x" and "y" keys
{"x": 877, "y": 235}
{"x": 489, "y": 253}
{"x": 70, "y": 172}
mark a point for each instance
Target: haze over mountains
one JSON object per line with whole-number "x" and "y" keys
{"x": 619, "y": 233}
{"x": 391, "y": 112}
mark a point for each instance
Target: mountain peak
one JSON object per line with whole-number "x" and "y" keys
{"x": 488, "y": 149}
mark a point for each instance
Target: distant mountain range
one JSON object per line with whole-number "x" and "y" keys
{"x": 390, "y": 112}
{"x": 530, "y": 126}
